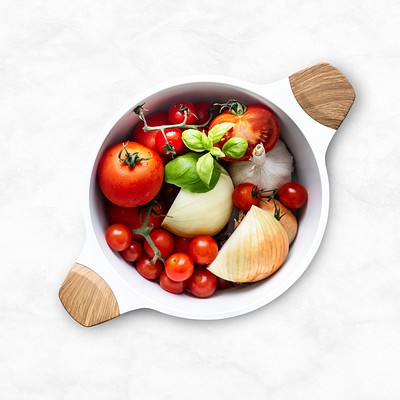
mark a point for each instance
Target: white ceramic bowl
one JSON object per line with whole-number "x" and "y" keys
{"x": 101, "y": 285}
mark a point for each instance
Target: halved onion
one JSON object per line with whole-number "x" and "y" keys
{"x": 256, "y": 249}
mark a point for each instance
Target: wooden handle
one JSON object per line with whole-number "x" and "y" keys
{"x": 324, "y": 93}
{"x": 87, "y": 297}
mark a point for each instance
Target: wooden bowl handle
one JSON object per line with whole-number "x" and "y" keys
{"x": 87, "y": 297}
{"x": 324, "y": 93}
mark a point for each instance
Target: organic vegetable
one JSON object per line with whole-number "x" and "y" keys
{"x": 285, "y": 216}
{"x": 203, "y": 249}
{"x": 179, "y": 267}
{"x": 172, "y": 286}
{"x": 255, "y": 250}
{"x": 176, "y": 113}
{"x": 265, "y": 170}
{"x": 147, "y": 268}
{"x": 163, "y": 241}
{"x": 170, "y": 142}
{"x": 118, "y": 237}
{"x": 130, "y": 174}
{"x": 255, "y": 123}
{"x": 133, "y": 252}
{"x": 202, "y": 110}
{"x": 182, "y": 244}
{"x": 194, "y": 214}
{"x": 202, "y": 283}
{"x": 148, "y": 138}
{"x": 293, "y": 195}
{"x": 246, "y": 195}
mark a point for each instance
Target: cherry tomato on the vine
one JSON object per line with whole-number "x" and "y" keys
{"x": 130, "y": 174}
{"x": 176, "y": 113}
{"x": 179, "y": 267}
{"x": 202, "y": 283}
{"x": 147, "y": 269}
{"x": 133, "y": 252}
{"x": 202, "y": 108}
{"x": 164, "y": 242}
{"x": 245, "y": 195}
{"x": 175, "y": 142}
{"x": 148, "y": 138}
{"x": 293, "y": 195}
{"x": 172, "y": 286}
{"x": 203, "y": 249}
{"x": 182, "y": 244}
{"x": 118, "y": 237}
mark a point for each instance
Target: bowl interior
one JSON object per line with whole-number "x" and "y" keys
{"x": 239, "y": 299}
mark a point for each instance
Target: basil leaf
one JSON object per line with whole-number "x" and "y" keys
{"x": 219, "y": 130}
{"x": 217, "y": 152}
{"x": 235, "y": 147}
{"x": 205, "y": 167}
{"x": 182, "y": 172}
{"x": 207, "y": 143}
{"x": 193, "y": 140}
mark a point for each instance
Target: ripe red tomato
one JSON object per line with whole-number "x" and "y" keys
{"x": 257, "y": 124}
{"x": 174, "y": 136}
{"x": 133, "y": 252}
{"x": 179, "y": 267}
{"x": 203, "y": 249}
{"x": 118, "y": 237}
{"x": 176, "y": 114}
{"x": 202, "y": 283}
{"x": 130, "y": 174}
{"x": 245, "y": 195}
{"x": 202, "y": 108}
{"x": 164, "y": 242}
{"x": 171, "y": 286}
{"x": 133, "y": 217}
{"x": 148, "y": 138}
{"x": 182, "y": 244}
{"x": 147, "y": 269}
{"x": 293, "y": 195}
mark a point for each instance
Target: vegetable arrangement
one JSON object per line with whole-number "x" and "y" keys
{"x": 201, "y": 198}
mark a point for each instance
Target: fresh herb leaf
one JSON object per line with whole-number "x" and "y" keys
{"x": 218, "y": 131}
{"x": 217, "y": 152}
{"x": 193, "y": 140}
{"x": 207, "y": 143}
{"x": 205, "y": 167}
{"x": 235, "y": 147}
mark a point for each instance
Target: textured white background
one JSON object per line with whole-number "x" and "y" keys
{"x": 65, "y": 68}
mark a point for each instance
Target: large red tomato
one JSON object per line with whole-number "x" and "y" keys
{"x": 258, "y": 124}
{"x": 130, "y": 174}
{"x": 148, "y": 138}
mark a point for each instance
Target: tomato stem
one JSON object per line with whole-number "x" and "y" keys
{"x": 145, "y": 231}
{"x": 130, "y": 159}
{"x": 235, "y": 107}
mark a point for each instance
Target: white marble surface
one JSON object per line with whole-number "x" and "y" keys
{"x": 66, "y": 68}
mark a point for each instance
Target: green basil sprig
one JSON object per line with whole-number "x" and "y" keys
{"x": 200, "y": 173}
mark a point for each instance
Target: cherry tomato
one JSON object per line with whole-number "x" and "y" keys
{"x": 179, "y": 267}
{"x": 133, "y": 252}
{"x": 293, "y": 195}
{"x": 118, "y": 237}
{"x": 147, "y": 269}
{"x": 164, "y": 242}
{"x": 133, "y": 217}
{"x": 257, "y": 124}
{"x": 203, "y": 249}
{"x": 176, "y": 113}
{"x": 245, "y": 195}
{"x": 182, "y": 244}
{"x": 171, "y": 286}
{"x": 202, "y": 283}
{"x": 130, "y": 174}
{"x": 175, "y": 142}
{"x": 223, "y": 283}
{"x": 202, "y": 108}
{"x": 148, "y": 138}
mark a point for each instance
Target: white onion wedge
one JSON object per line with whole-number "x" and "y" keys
{"x": 255, "y": 250}
{"x": 193, "y": 214}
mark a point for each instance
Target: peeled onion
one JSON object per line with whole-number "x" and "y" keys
{"x": 255, "y": 250}
{"x": 193, "y": 214}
